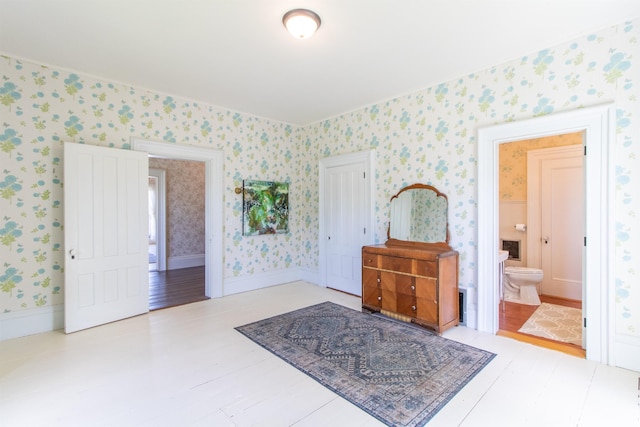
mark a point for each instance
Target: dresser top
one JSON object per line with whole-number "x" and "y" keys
{"x": 418, "y": 252}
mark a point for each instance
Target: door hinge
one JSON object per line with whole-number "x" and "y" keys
{"x": 585, "y": 240}
{"x": 364, "y": 175}
{"x": 365, "y": 230}
{"x": 585, "y": 150}
{"x": 585, "y": 321}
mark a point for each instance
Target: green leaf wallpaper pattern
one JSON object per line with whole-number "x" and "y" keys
{"x": 428, "y": 136}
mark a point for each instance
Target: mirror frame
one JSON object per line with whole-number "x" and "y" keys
{"x": 398, "y": 242}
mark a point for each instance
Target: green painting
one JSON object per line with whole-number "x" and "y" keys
{"x": 265, "y": 207}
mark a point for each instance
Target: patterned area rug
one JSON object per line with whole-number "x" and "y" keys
{"x": 399, "y": 373}
{"x": 555, "y": 322}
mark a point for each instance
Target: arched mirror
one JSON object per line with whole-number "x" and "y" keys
{"x": 419, "y": 213}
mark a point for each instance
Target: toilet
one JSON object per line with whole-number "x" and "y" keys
{"x": 521, "y": 285}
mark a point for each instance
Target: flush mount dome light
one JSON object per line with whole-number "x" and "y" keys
{"x": 301, "y": 23}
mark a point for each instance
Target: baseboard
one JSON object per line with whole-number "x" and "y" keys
{"x": 15, "y": 324}
{"x": 627, "y": 352}
{"x": 185, "y": 261}
{"x": 309, "y": 275}
{"x": 471, "y": 308}
{"x": 236, "y": 285}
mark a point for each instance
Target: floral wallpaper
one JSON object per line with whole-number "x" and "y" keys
{"x": 428, "y": 136}
{"x": 426, "y": 225}
{"x": 185, "y": 205}
{"x": 513, "y": 162}
{"x": 41, "y": 107}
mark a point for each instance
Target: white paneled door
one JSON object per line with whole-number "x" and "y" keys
{"x": 345, "y": 220}
{"x": 562, "y": 226}
{"x": 106, "y": 242}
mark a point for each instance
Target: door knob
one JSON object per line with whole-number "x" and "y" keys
{"x": 546, "y": 240}
{"x": 72, "y": 253}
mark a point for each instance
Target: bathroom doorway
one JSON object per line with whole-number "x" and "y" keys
{"x": 525, "y": 184}
{"x": 599, "y": 133}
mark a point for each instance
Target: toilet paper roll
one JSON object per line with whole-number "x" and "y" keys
{"x": 521, "y": 227}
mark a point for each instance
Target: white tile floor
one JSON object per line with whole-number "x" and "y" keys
{"x": 186, "y": 366}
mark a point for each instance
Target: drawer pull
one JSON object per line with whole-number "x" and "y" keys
{"x": 378, "y": 280}
{"x": 413, "y": 307}
{"x": 413, "y": 288}
{"x": 379, "y": 298}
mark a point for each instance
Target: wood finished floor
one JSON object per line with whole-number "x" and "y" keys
{"x": 515, "y": 315}
{"x": 176, "y": 287}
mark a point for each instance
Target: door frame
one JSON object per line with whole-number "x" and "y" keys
{"x": 598, "y": 125}
{"x": 214, "y": 183}
{"x": 368, "y": 158}
{"x": 161, "y": 226}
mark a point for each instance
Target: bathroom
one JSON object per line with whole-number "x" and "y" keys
{"x": 541, "y": 225}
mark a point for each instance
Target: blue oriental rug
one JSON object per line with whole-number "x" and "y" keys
{"x": 397, "y": 372}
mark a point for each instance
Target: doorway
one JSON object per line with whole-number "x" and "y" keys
{"x": 157, "y": 220}
{"x": 541, "y": 186}
{"x": 597, "y": 123}
{"x": 184, "y": 211}
{"x": 214, "y": 177}
{"x": 153, "y": 223}
{"x": 346, "y": 218}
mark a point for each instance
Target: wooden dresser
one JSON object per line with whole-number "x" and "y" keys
{"x": 412, "y": 283}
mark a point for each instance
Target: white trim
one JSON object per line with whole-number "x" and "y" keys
{"x": 161, "y": 240}
{"x": 252, "y": 282}
{"x": 185, "y": 261}
{"x": 214, "y": 182}
{"x": 15, "y": 324}
{"x": 598, "y": 125}
{"x": 368, "y": 158}
{"x": 627, "y": 352}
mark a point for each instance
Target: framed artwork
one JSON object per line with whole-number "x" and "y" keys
{"x": 265, "y": 207}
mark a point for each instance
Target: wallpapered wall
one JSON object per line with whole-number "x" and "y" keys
{"x": 513, "y": 162}
{"x": 185, "y": 205}
{"x": 428, "y": 136}
{"x": 42, "y": 106}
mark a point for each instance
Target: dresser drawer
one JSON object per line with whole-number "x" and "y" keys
{"x": 426, "y": 288}
{"x": 388, "y": 281}
{"x": 427, "y": 310}
{"x": 370, "y": 260}
{"x": 393, "y": 263}
{"x": 405, "y": 284}
{"x": 426, "y": 268}
{"x": 407, "y": 305}
{"x": 372, "y": 296}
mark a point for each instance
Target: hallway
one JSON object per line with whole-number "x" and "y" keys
{"x": 176, "y": 287}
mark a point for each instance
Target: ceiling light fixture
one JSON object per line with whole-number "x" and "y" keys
{"x": 301, "y": 23}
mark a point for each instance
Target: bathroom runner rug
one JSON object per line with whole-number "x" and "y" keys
{"x": 397, "y": 372}
{"x": 555, "y": 322}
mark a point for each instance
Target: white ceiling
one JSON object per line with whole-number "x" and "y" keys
{"x": 236, "y": 54}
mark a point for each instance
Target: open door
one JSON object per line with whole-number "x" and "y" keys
{"x": 105, "y": 226}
